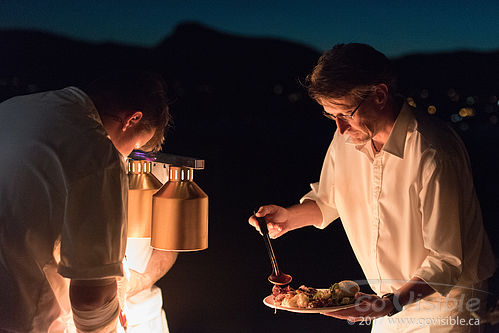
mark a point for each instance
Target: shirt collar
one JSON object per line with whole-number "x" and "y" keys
{"x": 93, "y": 113}
{"x": 89, "y": 104}
{"x": 395, "y": 144}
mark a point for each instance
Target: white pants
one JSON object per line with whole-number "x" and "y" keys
{"x": 145, "y": 312}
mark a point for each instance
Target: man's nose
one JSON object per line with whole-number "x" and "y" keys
{"x": 342, "y": 125}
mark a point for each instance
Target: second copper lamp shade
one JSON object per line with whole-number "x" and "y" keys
{"x": 175, "y": 216}
{"x": 180, "y": 214}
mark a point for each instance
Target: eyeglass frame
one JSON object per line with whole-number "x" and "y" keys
{"x": 344, "y": 117}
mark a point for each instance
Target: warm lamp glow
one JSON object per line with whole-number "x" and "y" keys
{"x": 142, "y": 185}
{"x": 180, "y": 214}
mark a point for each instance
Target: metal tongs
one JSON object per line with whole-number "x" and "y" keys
{"x": 277, "y": 277}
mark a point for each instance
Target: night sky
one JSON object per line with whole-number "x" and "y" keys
{"x": 394, "y": 27}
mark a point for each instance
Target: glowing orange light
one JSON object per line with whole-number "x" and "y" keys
{"x": 411, "y": 102}
{"x": 466, "y": 112}
{"x": 432, "y": 109}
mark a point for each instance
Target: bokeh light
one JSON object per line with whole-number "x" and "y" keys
{"x": 432, "y": 109}
{"x": 466, "y": 112}
{"x": 411, "y": 102}
{"x": 464, "y": 126}
{"x": 470, "y": 100}
{"x": 453, "y": 95}
{"x": 425, "y": 93}
{"x": 294, "y": 97}
{"x": 455, "y": 118}
{"x": 489, "y": 108}
{"x": 494, "y": 119}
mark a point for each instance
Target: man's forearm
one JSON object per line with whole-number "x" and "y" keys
{"x": 159, "y": 264}
{"x": 91, "y": 294}
{"x": 412, "y": 291}
{"x": 305, "y": 214}
{"x": 94, "y": 304}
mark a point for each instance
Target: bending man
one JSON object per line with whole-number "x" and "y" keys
{"x": 65, "y": 188}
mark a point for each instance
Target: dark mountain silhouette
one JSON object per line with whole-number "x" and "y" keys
{"x": 237, "y": 102}
{"x": 46, "y": 61}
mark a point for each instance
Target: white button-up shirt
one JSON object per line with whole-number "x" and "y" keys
{"x": 411, "y": 209}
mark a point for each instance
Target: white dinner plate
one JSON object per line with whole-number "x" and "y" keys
{"x": 269, "y": 301}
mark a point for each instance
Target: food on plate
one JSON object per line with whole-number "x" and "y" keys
{"x": 341, "y": 293}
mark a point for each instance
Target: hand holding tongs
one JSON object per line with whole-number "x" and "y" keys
{"x": 277, "y": 277}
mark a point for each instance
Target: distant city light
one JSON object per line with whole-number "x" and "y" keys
{"x": 455, "y": 118}
{"x": 464, "y": 126}
{"x": 453, "y": 95}
{"x": 494, "y": 119}
{"x": 466, "y": 112}
{"x": 489, "y": 108}
{"x": 470, "y": 100}
{"x": 424, "y": 93}
{"x": 294, "y": 97}
{"x": 278, "y": 89}
{"x": 411, "y": 102}
{"x": 432, "y": 109}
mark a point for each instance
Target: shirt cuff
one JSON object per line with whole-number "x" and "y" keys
{"x": 328, "y": 213}
{"x": 438, "y": 274}
{"x": 91, "y": 273}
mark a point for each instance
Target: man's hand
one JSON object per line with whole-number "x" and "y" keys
{"x": 276, "y": 218}
{"x": 366, "y": 306}
{"x": 281, "y": 220}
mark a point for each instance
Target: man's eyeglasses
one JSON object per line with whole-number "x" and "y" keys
{"x": 344, "y": 117}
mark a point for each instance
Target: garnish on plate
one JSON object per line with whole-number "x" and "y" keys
{"x": 341, "y": 293}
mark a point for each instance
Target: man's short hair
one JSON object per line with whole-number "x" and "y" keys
{"x": 349, "y": 69}
{"x": 134, "y": 91}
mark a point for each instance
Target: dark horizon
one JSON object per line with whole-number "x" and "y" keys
{"x": 395, "y": 29}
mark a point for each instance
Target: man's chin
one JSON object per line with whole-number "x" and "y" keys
{"x": 359, "y": 140}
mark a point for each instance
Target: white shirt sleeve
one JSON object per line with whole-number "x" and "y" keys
{"x": 323, "y": 191}
{"x": 441, "y": 210}
{"x": 93, "y": 236}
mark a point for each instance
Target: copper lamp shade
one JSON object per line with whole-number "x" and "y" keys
{"x": 142, "y": 186}
{"x": 180, "y": 214}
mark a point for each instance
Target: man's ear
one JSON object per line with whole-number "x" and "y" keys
{"x": 381, "y": 94}
{"x": 131, "y": 120}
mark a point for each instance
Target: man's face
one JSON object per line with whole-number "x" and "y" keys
{"x": 126, "y": 132}
{"x": 132, "y": 139}
{"x": 360, "y": 127}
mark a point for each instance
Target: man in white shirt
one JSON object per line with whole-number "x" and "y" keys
{"x": 63, "y": 199}
{"x": 402, "y": 185}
